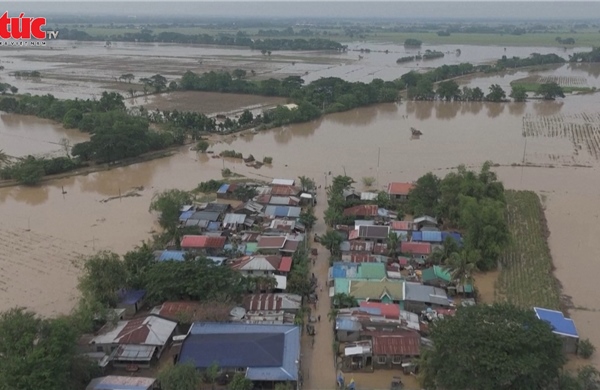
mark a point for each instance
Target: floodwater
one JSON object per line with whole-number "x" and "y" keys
{"x": 22, "y": 135}
{"x": 84, "y": 69}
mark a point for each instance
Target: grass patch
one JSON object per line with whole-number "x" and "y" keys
{"x": 526, "y": 277}
{"x": 534, "y": 87}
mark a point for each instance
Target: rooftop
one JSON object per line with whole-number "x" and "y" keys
{"x": 415, "y": 248}
{"x": 388, "y": 310}
{"x": 131, "y": 297}
{"x": 399, "y": 342}
{"x": 272, "y": 302}
{"x": 201, "y": 242}
{"x": 361, "y": 210}
{"x": 400, "y": 188}
{"x": 378, "y": 232}
{"x": 561, "y": 325}
{"x": 401, "y": 225}
{"x": 115, "y": 382}
{"x": 269, "y": 352}
{"x": 271, "y": 242}
{"x": 377, "y": 289}
{"x": 427, "y": 294}
{"x": 283, "y": 182}
{"x": 172, "y": 255}
{"x": 150, "y": 330}
{"x": 256, "y": 263}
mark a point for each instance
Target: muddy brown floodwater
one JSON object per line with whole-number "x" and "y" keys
{"x": 42, "y": 226}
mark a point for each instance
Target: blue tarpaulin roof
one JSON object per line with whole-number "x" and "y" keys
{"x": 269, "y": 352}
{"x": 456, "y": 236}
{"x": 340, "y": 270}
{"x": 131, "y": 297}
{"x": 560, "y": 324}
{"x": 186, "y": 215}
{"x": 347, "y": 324}
{"x": 172, "y": 255}
{"x": 223, "y": 189}
{"x": 417, "y": 236}
{"x": 214, "y": 225}
{"x": 431, "y": 236}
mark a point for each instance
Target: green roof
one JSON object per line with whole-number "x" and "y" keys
{"x": 437, "y": 272}
{"x": 341, "y": 286}
{"x": 251, "y": 247}
{"x": 371, "y": 271}
{"x": 377, "y": 289}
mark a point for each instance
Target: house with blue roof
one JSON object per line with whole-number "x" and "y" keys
{"x": 265, "y": 354}
{"x": 561, "y": 326}
{"x": 131, "y": 300}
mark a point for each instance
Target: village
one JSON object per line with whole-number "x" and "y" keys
{"x": 382, "y": 276}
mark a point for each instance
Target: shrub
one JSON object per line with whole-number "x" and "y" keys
{"x": 268, "y": 160}
{"x": 586, "y": 349}
{"x": 226, "y": 172}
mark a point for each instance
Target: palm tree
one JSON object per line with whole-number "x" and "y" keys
{"x": 392, "y": 244}
{"x": 332, "y": 314}
{"x": 440, "y": 256}
{"x": 342, "y": 300}
{"x": 306, "y": 183}
{"x": 332, "y": 240}
{"x": 462, "y": 265}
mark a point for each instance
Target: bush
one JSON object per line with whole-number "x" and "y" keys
{"x": 267, "y": 160}
{"x": 226, "y": 172}
{"x": 231, "y": 153}
{"x": 586, "y": 349}
{"x": 202, "y": 145}
{"x": 209, "y": 186}
{"x": 368, "y": 181}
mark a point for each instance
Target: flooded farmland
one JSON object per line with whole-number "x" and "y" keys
{"x": 552, "y": 148}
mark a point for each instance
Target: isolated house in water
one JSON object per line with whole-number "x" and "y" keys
{"x": 561, "y": 326}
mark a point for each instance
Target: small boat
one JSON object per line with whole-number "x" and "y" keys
{"x": 415, "y": 131}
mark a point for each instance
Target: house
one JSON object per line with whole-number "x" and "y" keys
{"x": 234, "y": 221}
{"x": 264, "y": 354}
{"x": 347, "y": 329}
{"x": 282, "y": 190}
{"x": 425, "y": 221}
{"x": 131, "y": 300}
{"x": 440, "y": 277}
{"x": 362, "y": 211}
{"x": 373, "y": 233}
{"x": 368, "y": 196}
{"x": 283, "y": 211}
{"x": 419, "y": 297}
{"x": 284, "y": 201}
{"x": 117, "y": 382}
{"x": 350, "y": 194}
{"x": 257, "y": 265}
{"x": 402, "y": 225}
{"x": 364, "y": 271}
{"x": 416, "y": 249}
{"x": 282, "y": 225}
{"x": 138, "y": 341}
{"x": 171, "y": 255}
{"x": 289, "y": 303}
{"x": 270, "y": 244}
{"x": 207, "y": 244}
{"x": 283, "y": 182}
{"x": 433, "y": 237}
{"x": 386, "y": 291}
{"x": 388, "y": 310}
{"x": 399, "y": 191}
{"x": 391, "y": 349}
{"x": 249, "y": 208}
{"x": 561, "y": 326}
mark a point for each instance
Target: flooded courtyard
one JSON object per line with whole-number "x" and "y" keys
{"x": 552, "y": 148}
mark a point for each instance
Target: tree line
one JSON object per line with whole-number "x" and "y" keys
{"x": 239, "y": 39}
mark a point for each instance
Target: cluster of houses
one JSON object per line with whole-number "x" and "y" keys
{"x": 259, "y": 338}
{"x": 398, "y": 291}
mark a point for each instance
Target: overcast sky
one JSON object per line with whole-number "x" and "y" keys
{"x": 532, "y": 9}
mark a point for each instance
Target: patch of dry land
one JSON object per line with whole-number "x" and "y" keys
{"x": 210, "y": 102}
{"x": 37, "y": 271}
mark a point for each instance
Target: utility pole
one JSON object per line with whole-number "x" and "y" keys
{"x": 378, "y": 156}
{"x": 119, "y": 194}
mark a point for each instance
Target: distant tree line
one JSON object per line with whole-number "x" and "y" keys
{"x": 592, "y": 56}
{"x": 239, "y": 39}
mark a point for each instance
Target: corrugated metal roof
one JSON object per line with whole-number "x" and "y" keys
{"x": 234, "y": 219}
{"x": 368, "y": 196}
{"x": 172, "y": 255}
{"x": 405, "y": 342}
{"x": 272, "y": 302}
{"x": 420, "y": 293}
{"x": 417, "y": 236}
{"x": 400, "y": 188}
{"x": 283, "y": 211}
{"x": 348, "y": 324}
{"x": 286, "y": 264}
{"x": 283, "y": 182}
{"x": 150, "y": 330}
{"x": 206, "y": 215}
{"x": 269, "y": 352}
{"x": 191, "y": 241}
{"x": 416, "y": 248}
{"x": 371, "y": 271}
{"x": 223, "y": 189}
{"x": 186, "y": 215}
{"x": 560, "y": 324}
{"x": 116, "y": 382}
{"x": 431, "y": 236}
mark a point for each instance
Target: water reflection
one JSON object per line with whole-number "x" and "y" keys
{"x": 446, "y": 110}
{"x": 517, "y": 108}
{"x": 109, "y": 183}
{"x": 360, "y": 117}
{"x": 421, "y": 110}
{"x": 547, "y": 107}
{"x": 495, "y": 109}
{"x": 32, "y": 196}
{"x": 590, "y": 69}
{"x": 471, "y": 108}
{"x": 283, "y": 135}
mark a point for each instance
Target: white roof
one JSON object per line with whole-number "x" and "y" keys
{"x": 283, "y": 182}
{"x": 306, "y": 196}
{"x": 281, "y": 282}
{"x": 258, "y": 263}
{"x": 290, "y": 106}
{"x": 234, "y": 219}
{"x": 368, "y": 196}
{"x": 158, "y": 331}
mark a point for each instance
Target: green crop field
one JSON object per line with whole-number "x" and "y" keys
{"x": 526, "y": 276}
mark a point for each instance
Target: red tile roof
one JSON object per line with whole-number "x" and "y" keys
{"x": 401, "y": 225}
{"x": 199, "y": 242}
{"x": 263, "y": 199}
{"x": 266, "y": 242}
{"x": 362, "y": 210}
{"x": 402, "y": 342}
{"x": 135, "y": 332}
{"x": 400, "y": 188}
{"x": 416, "y": 248}
{"x": 388, "y": 310}
{"x": 286, "y": 264}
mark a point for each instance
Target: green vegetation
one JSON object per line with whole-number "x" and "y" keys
{"x": 179, "y": 377}
{"x": 240, "y": 382}
{"x": 592, "y": 56}
{"x": 231, "y": 154}
{"x": 38, "y": 353}
{"x": 507, "y": 348}
{"x": 405, "y": 59}
{"x": 518, "y": 93}
{"x": 430, "y": 55}
{"x": 28, "y": 74}
{"x": 308, "y": 218}
{"x": 30, "y": 170}
{"x": 533, "y": 60}
{"x": 412, "y": 42}
{"x": 5, "y": 87}
{"x": 168, "y": 203}
{"x": 226, "y": 172}
{"x": 267, "y": 160}
{"x": 299, "y": 280}
{"x": 586, "y": 349}
{"x": 210, "y": 186}
{"x": 526, "y": 278}
{"x": 534, "y": 87}
{"x": 202, "y": 146}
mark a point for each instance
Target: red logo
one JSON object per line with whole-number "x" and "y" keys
{"x": 22, "y": 27}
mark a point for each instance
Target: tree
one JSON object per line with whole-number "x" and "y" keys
{"x": 39, "y": 353}
{"x": 104, "y": 274}
{"x": 549, "y": 91}
{"x": 392, "y": 244}
{"x": 66, "y": 145}
{"x": 586, "y": 349}
{"x": 244, "y": 193}
{"x": 448, "y": 90}
{"x": 343, "y": 300}
{"x": 306, "y": 183}
{"x": 332, "y": 314}
{"x": 14, "y": 89}
{"x": 424, "y": 197}
{"x": 332, "y": 241}
{"x": 240, "y": 382}
{"x": 173, "y": 86}
{"x": 238, "y": 73}
{"x": 307, "y": 218}
{"x": 462, "y": 265}
{"x": 518, "y": 93}
{"x": 4, "y": 158}
{"x": 212, "y": 374}
{"x": 127, "y": 77}
{"x": 168, "y": 203}
{"x": 368, "y": 181}
{"x": 506, "y": 348}
{"x": 496, "y": 94}
{"x": 449, "y": 246}
{"x": 137, "y": 262}
{"x": 158, "y": 82}
{"x": 202, "y": 145}
{"x": 245, "y": 118}
{"x": 179, "y": 377}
